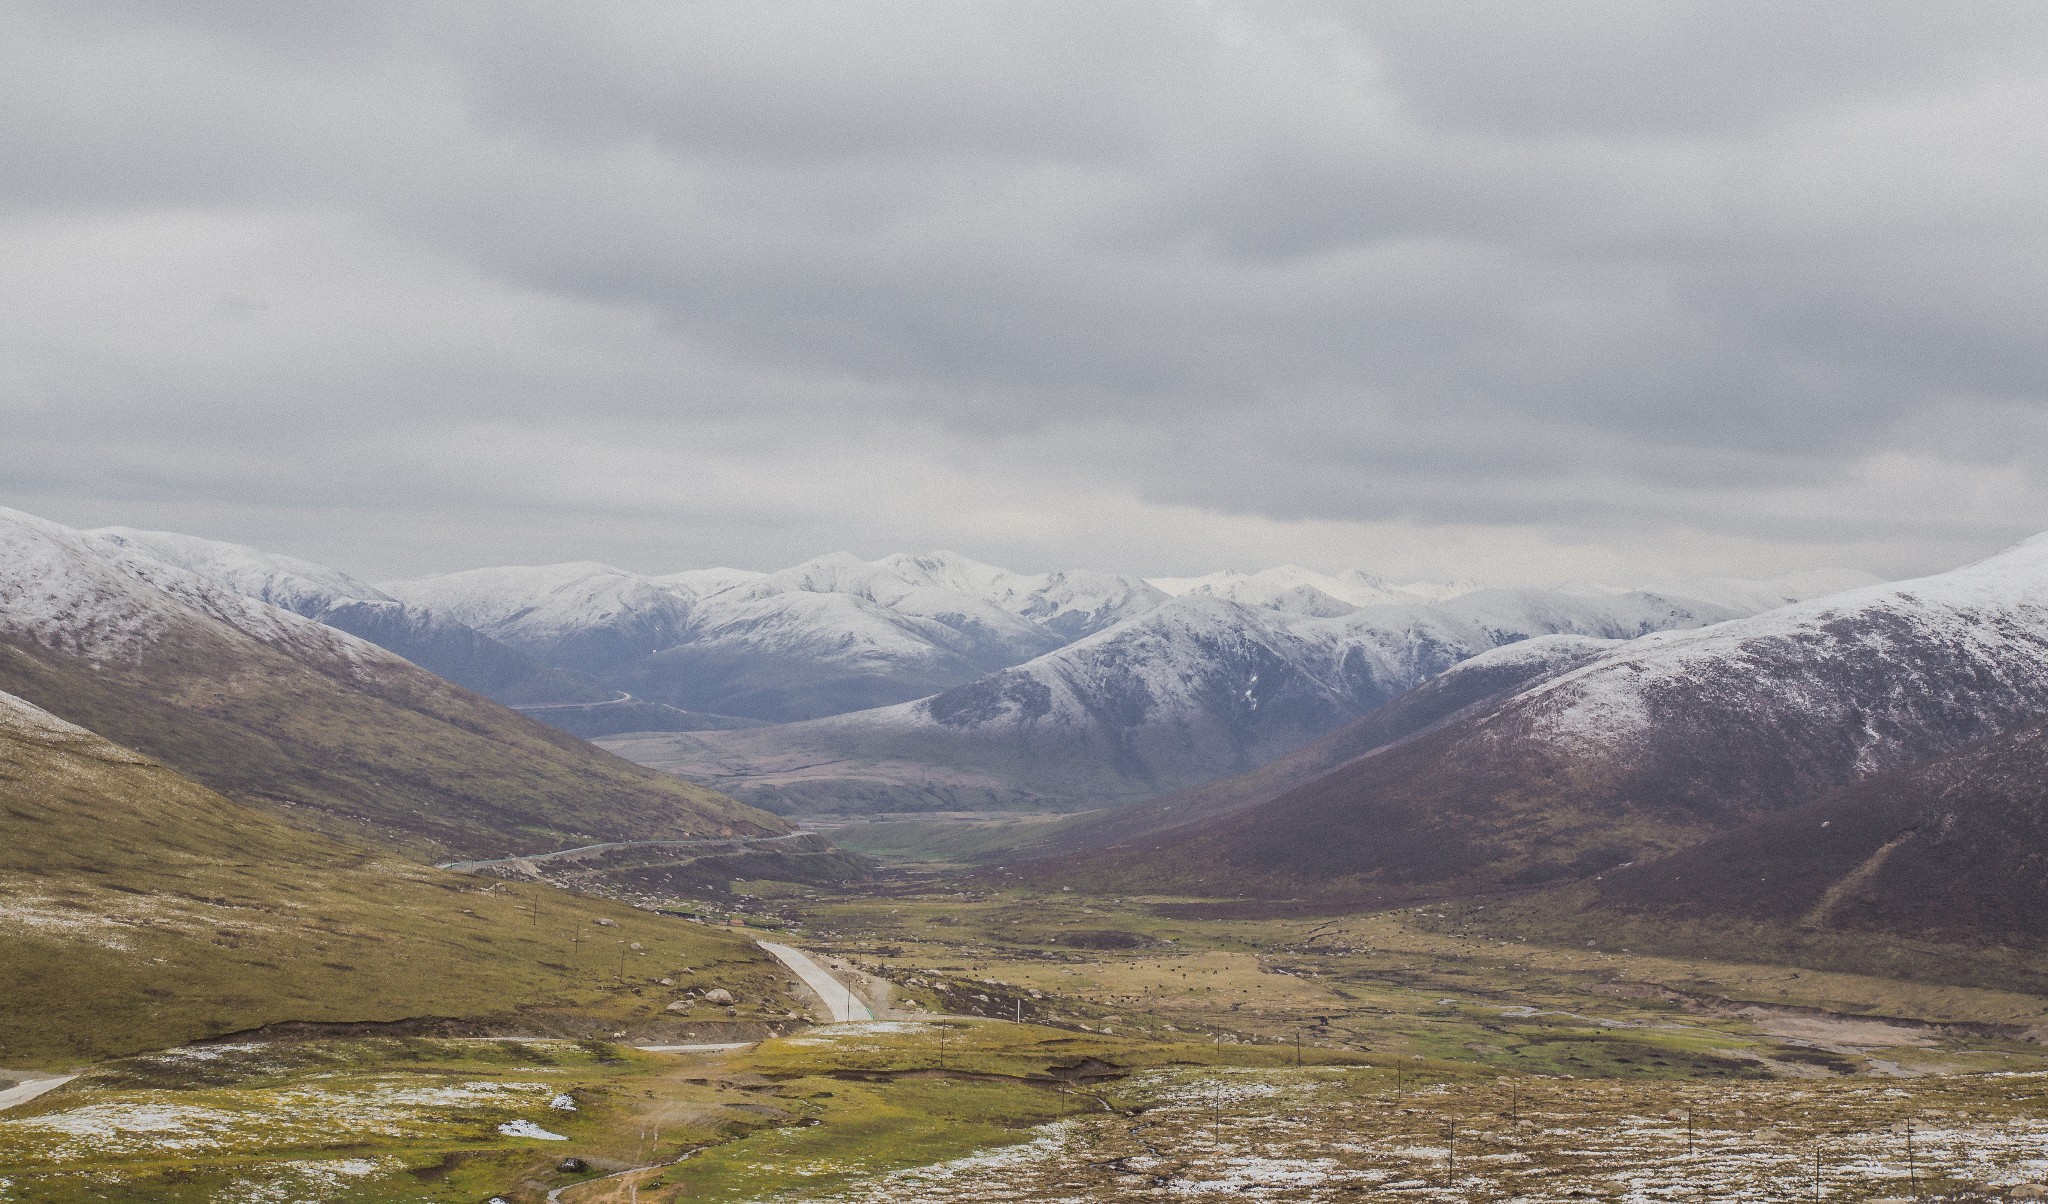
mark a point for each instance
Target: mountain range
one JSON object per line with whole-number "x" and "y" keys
{"x": 1196, "y": 688}
{"x": 1873, "y": 760}
{"x": 935, "y": 681}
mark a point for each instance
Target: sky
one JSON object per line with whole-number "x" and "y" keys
{"x": 1487, "y": 289}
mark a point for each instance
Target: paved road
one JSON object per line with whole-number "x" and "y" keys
{"x": 839, "y": 999}
{"x": 34, "y": 1087}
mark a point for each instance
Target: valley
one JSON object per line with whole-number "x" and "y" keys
{"x": 1284, "y": 885}
{"x": 1157, "y": 1054}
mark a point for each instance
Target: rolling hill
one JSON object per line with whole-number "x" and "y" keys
{"x": 139, "y": 909}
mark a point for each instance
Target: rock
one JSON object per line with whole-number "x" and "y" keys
{"x": 2028, "y": 1191}
{"x": 668, "y": 982}
{"x": 604, "y": 923}
{"x": 572, "y": 1166}
{"x": 636, "y": 946}
{"x": 718, "y": 995}
{"x": 677, "y": 1006}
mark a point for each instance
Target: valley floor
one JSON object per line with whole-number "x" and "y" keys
{"x": 1162, "y": 1053}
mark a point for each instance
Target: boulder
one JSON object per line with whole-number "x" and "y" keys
{"x": 572, "y": 1166}
{"x": 718, "y": 995}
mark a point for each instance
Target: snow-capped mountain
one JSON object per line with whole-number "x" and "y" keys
{"x": 838, "y": 634}
{"x": 1307, "y": 592}
{"x": 1665, "y": 739}
{"x": 1196, "y": 688}
{"x": 1742, "y": 594}
{"x": 274, "y": 709}
{"x": 432, "y": 640}
{"x": 585, "y": 617}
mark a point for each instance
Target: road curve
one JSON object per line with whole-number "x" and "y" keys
{"x": 840, "y": 1002}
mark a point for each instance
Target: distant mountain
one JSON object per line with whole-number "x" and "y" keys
{"x": 838, "y": 634}
{"x": 274, "y": 709}
{"x": 434, "y": 641}
{"x": 140, "y": 910}
{"x": 831, "y": 635}
{"x": 1742, "y": 594}
{"x": 1194, "y": 689}
{"x": 1489, "y": 677}
{"x": 1663, "y": 742}
{"x": 1307, "y": 592}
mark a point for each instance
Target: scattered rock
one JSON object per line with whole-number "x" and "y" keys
{"x": 718, "y": 995}
{"x": 601, "y": 922}
{"x": 572, "y": 1166}
{"x": 677, "y": 1006}
{"x": 636, "y": 946}
{"x": 668, "y": 982}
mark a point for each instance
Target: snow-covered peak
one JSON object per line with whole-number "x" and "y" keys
{"x": 961, "y": 574}
{"x": 1749, "y": 595}
{"x": 541, "y": 603}
{"x": 698, "y": 583}
{"x": 1299, "y": 590}
{"x": 1982, "y": 628}
{"x": 67, "y": 590}
{"x": 297, "y": 585}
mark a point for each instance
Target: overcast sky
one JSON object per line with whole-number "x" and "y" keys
{"x": 1510, "y": 290}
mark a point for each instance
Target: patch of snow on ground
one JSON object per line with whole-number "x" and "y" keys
{"x": 526, "y": 1128}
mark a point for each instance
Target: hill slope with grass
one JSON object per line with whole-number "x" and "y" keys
{"x": 139, "y": 909}
{"x": 276, "y": 710}
{"x": 1659, "y": 744}
{"x": 1956, "y": 846}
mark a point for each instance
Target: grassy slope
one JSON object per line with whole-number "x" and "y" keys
{"x": 139, "y": 909}
{"x": 387, "y": 749}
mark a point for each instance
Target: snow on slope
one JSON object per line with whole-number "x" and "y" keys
{"x": 1194, "y": 689}
{"x": 1070, "y": 603}
{"x": 1305, "y": 591}
{"x": 1200, "y": 653}
{"x": 435, "y": 641}
{"x": 696, "y": 583}
{"x": 1965, "y": 650}
{"x": 1743, "y": 594}
{"x": 69, "y": 591}
{"x": 300, "y": 586}
{"x": 542, "y": 607}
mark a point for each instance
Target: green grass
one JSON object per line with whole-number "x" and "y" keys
{"x": 139, "y": 910}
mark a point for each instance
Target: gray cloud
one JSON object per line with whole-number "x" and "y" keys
{"x": 1484, "y": 289}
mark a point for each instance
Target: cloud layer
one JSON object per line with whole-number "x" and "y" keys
{"x": 1482, "y": 289}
